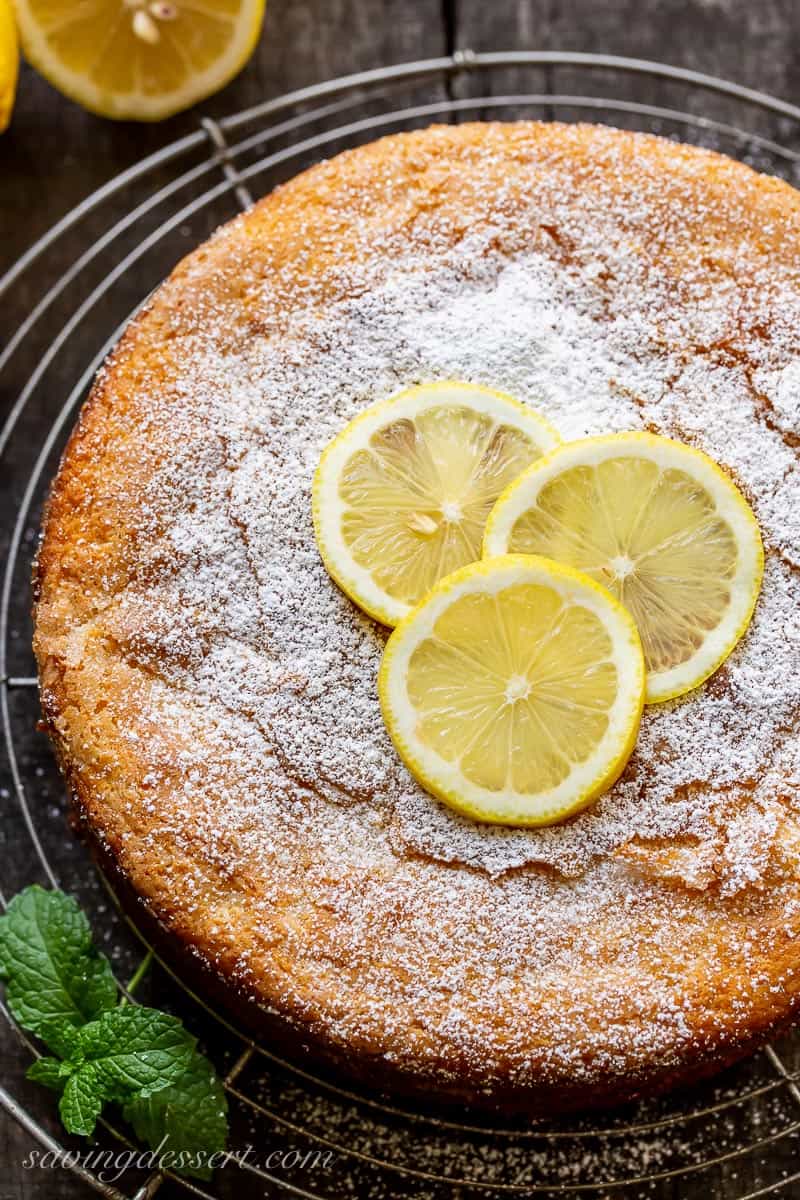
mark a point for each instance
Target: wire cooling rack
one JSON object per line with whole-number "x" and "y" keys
{"x": 735, "y": 1137}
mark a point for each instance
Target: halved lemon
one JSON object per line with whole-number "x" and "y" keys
{"x": 9, "y": 62}
{"x": 138, "y": 59}
{"x": 661, "y": 526}
{"x": 401, "y": 496}
{"x": 514, "y": 691}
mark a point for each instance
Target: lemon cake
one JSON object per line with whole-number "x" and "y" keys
{"x": 211, "y": 693}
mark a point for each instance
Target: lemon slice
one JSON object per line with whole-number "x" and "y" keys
{"x": 138, "y": 59}
{"x": 514, "y": 691}
{"x": 661, "y": 526}
{"x": 401, "y": 496}
{"x": 9, "y": 62}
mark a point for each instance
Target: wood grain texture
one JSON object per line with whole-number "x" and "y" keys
{"x": 755, "y": 44}
{"x": 55, "y": 154}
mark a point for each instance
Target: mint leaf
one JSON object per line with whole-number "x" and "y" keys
{"x": 188, "y": 1118}
{"x": 133, "y": 1050}
{"x": 81, "y": 1102}
{"x": 126, "y": 1052}
{"x": 55, "y": 975}
{"x": 52, "y": 1072}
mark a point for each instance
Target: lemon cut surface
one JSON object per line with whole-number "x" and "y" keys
{"x": 138, "y": 59}
{"x": 401, "y": 496}
{"x": 662, "y": 527}
{"x": 514, "y": 691}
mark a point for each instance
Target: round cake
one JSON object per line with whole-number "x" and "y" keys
{"x": 211, "y": 693}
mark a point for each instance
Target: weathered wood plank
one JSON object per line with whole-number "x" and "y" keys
{"x": 754, "y": 44}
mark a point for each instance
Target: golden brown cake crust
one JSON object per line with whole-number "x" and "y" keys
{"x": 211, "y": 695}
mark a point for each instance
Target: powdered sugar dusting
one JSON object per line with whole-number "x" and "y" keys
{"x": 527, "y": 329}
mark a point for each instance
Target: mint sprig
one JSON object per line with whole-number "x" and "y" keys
{"x": 128, "y": 1052}
{"x": 61, "y": 988}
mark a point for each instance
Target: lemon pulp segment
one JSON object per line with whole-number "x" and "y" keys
{"x": 514, "y": 692}
{"x": 658, "y": 524}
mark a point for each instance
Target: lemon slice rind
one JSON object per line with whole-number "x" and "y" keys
{"x": 137, "y": 103}
{"x": 730, "y": 505}
{"x": 327, "y": 507}
{"x": 443, "y": 779}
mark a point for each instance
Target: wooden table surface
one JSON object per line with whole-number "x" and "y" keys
{"x": 54, "y": 154}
